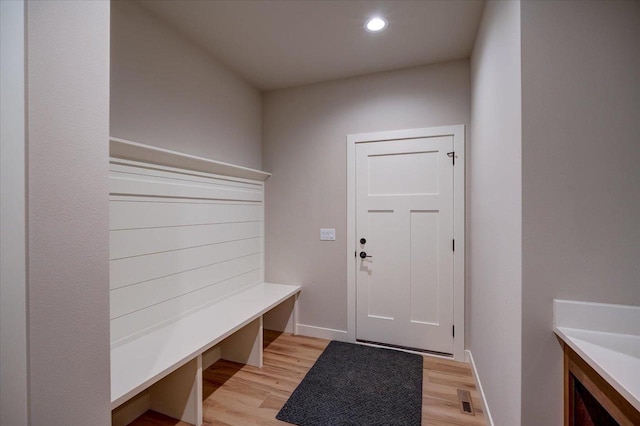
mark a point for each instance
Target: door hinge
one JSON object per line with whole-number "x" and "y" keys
{"x": 453, "y": 330}
{"x": 453, "y": 245}
{"x": 452, "y": 155}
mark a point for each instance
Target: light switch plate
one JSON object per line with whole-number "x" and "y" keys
{"x": 327, "y": 234}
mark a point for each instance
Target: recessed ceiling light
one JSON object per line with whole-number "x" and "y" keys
{"x": 375, "y": 24}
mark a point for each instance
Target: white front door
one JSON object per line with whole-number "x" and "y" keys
{"x": 405, "y": 213}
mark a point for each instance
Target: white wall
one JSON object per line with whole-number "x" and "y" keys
{"x": 13, "y": 302}
{"x": 304, "y": 146}
{"x": 168, "y": 92}
{"x": 581, "y": 180}
{"x": 495, "y": 210}
{"x": 68, "y": 216}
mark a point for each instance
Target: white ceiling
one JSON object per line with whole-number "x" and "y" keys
{"x": 282, "y": 43}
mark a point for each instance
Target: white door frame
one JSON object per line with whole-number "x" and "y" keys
{"x": 458, "y": 133}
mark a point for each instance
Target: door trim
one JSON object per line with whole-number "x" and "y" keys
{"x": 458, "y": 133}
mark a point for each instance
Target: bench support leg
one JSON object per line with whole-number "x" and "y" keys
{"x": 283, "y": 317}
{"x": 179, "y": 395}
{"x": 245, "y": 345}
{"x": 294, "y": 314}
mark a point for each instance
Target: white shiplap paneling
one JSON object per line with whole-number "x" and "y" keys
{"x": 179, "y": 240}
{"x": 125, "y": 300}
{"x": 132, "y": 213}
{"x": 131, "y": 270}
{"x": 136, "y": 323}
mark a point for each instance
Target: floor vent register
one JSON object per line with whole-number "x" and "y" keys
{"x": 466, "y": 407}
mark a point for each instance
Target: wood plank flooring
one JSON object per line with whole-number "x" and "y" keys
{"x": 236, "y": 394}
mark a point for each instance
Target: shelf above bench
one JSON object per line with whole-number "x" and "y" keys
{"x": 127, "y": 150}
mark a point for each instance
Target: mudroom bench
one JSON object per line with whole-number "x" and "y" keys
{"x": 187, "y": 284}
{"x": 166, "y": 364}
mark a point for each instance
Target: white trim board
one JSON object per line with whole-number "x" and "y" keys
{"x": 599, "y": 317}
{"x": 485, "y": 406}
{"x": 458, "y": 133}
{"x": 321, "y": 332}
{"x": 124, "y": 149}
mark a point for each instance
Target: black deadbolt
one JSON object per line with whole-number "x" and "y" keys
{"x": 363, "y": 241}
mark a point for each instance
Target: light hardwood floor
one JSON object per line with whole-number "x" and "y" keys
{"x": 236, "y": 394}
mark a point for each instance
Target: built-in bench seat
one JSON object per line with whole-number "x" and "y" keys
{"x": 166, "y": 363}
{"x": 187, "y": 277}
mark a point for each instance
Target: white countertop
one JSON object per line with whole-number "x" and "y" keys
{"x": 590, "y": 329}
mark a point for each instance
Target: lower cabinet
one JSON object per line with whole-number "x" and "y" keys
{"x": 589, "y": 400}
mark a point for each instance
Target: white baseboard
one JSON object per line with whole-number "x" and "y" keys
{"x": 485, "y": 407}
{"x": 321, "y": 332}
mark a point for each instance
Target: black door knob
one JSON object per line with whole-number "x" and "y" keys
{"x": 363, "y": 255}
{"x": 363, "y": 241}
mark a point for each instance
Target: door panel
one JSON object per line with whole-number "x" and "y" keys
{"x": 424, "y": 267}
{"x": 381, "y": 284}
{"x": 404, "y": 209}
{"x": 415, "y": 173}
